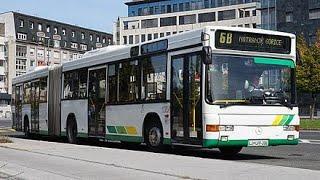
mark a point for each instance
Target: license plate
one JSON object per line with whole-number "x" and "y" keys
{"x": 258, "y": 143}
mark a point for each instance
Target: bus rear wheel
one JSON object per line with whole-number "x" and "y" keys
{"x": 230, "y": 151}
{"x": 72, "y": 132}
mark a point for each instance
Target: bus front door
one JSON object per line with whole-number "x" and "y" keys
{"x": 96, "y": 102}
{"x": 186, "y": 119}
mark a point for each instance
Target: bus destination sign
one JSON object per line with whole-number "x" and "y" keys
{"x": 245, "y": 41}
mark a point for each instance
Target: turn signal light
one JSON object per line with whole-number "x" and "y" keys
{"x": 212, "y": 128}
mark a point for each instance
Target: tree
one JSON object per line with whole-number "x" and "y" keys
{"x": 308, "y": 72}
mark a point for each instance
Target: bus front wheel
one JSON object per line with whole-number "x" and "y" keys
{"x": 153, "y": 137}
{"x": 230, "y": 151}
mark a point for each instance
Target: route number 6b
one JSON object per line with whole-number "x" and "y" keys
{"x": 225, "y": 38}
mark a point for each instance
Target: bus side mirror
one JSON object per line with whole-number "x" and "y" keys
{"x": 207, "y": 55}
{"x": 298, "y": 57}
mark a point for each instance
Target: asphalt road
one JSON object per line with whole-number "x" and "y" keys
{"x": 33, "y": 159}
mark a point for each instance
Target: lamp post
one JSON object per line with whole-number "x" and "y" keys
{"x": 48, "y": 55}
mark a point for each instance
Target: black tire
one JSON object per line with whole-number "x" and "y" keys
{"x": 230, "y": 151}
{"x": 26, "y": 128}
{"x": 72, "y": 132}
{"x": 154, "y": 137}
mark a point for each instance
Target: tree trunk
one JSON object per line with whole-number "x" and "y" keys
{"x": 313, "y": 106}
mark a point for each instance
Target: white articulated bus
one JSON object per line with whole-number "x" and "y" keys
{"x": 216, "y": 87}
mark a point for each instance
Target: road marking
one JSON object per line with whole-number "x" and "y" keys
{"x": 309, "y": 141}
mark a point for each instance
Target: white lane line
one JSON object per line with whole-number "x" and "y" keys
{"x": 309, "y": 141}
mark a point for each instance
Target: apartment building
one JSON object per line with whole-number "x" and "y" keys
{"x": 33, "y": 41}
{"x": 152, "y": 19}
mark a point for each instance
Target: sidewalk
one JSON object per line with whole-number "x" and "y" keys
{"x": 174, "y": 166}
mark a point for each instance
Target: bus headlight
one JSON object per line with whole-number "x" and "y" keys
{"x": 291, "y": 128}
{"x": 226, "y": 128}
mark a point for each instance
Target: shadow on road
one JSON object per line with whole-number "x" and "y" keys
{"x": 176, "y": 150}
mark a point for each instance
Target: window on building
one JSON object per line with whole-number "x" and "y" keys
{"x": 39, "y": 27}
{"x": 21, "y": 51}
{"x": 48, "y": 28}
{"x": 254, "y": 25}
{"x": 64, "y": 32}
{"x": 131, "y": 39}
{"x": 188, "y": 19}
{"x": 91, "y": 37}
{"x": 155, "y": 36}
{"x": 40, "y": 53}
{"x": 103, "y": 40}
{"x": 149, "y": 23}
{"x": 241, "y": 13}
{"x": 55, "y": 30}
{"x": 32, "y": 51}
{"x": 161, "y": 35}
{"x": 289, "y": 16}
{"x": 21, "y": 24}
{"x": 125, "y": 40}
{"x": 143, "y": 38}
{"x": 175, "y": 8}
{"x": 22, "y": 36}
{"x": 187, "y": 6}
{"x": 226, "y": 15}
{"x": 98, "y": 39}
{"x": 254, "y": 13}
{"x": 247, "y": 25}
{"x": 247, "y": 13}
{"x": 207, "y": 17}
{"x": 56, "y": 54}
{"x": 181, "y": 7}
{"x": 149, "y": 37}
{"x": 32, "y": 63}
{"x": 64, "y": 55}
{"x": 21, "y": 66}
{"x": 314, "y": 13}
{"x": 82, "y": 36}
{"x": 163, "y": 9}
{"x": 31, "y": 25}
{"x": 169, "y": 21}
{"x": 83, "y": 47}
{"x": 137, "y": 39}
{"x": 168, "y": 33}
{"x": 56, "y": 43}
{"x": 73, "y": 34}
{"x": 74, "y": 45}
{"x": 169, "y": 10}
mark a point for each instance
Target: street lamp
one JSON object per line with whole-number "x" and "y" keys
{"x": 48, "y": 38}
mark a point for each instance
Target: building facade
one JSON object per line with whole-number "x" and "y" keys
{"x": 33, "y": 41}
{"x": 300, "y": 17}
{"x": 152, "y": 19}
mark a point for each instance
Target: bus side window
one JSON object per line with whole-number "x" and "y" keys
{"x": 112, "y": 83}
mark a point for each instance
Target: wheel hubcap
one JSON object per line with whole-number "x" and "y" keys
{"x": 154, "y": 136}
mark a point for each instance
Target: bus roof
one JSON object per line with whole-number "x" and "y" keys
{"x": 114, "y": 53}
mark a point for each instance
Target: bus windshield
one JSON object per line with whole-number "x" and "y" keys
{"x": 249, "y": 80}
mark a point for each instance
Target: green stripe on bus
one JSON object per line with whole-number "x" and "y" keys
{"x": 273, "y": 61}
{"x": 289, "y": 120}
{"x": 112, "y": 129}
{"x": 284, "y": 119}
{"x": 112, "y": 137}
{"x": 121, "y": 130}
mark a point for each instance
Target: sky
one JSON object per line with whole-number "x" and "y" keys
{"x": 93, "y": 14}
